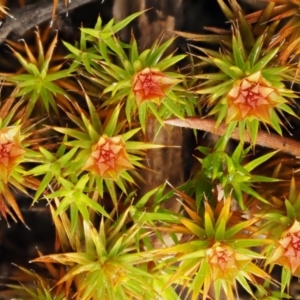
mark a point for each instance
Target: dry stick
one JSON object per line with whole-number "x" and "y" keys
{"x": 264, "y": 139}
{"x": 31, "y": 15}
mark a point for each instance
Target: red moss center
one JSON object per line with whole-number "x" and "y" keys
{"x": 293, "y": 249}
{"x": 251, "y": 94}
{"x": 222, "y": 258}
{"x": 5, "y": 149}
{"x": 148, "y": 83}
{"x": 296, "y": 243}
{"x": 107, "y": 157}
{"x": 251, "y": 98}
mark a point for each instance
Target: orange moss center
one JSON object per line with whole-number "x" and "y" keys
{"x": 5, "y": 150}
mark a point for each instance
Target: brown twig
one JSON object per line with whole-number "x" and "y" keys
{"x": 32, "y": 15}
{"x": 264, "y": 139}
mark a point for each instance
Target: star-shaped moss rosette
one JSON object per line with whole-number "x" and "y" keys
{"x": 107, "y": 261}
{"x": 246, "y": 90}
{"x": 108, "y": 158}
{"x": 250, "y": 85}
{"x": 252, "y": 98}
{"x": 287, "y": 251}
{"x": 85, "y": 54}
{"x": 215, "y": 252}
{"x": 280, "y": 222}
{"x": 39, "y": 79}
{"x": 14, "y": 150}
{"x": 139, "y": 80}
{"x": 144, "y": 85}
{"x": 101, "y": 149}
{"x": 150, "y": 85}
{"x": 230, "y": 172}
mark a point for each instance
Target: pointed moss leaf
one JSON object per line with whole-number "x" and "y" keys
{"x": 156, "y": 52}
{"x": 209, "y": 226}
{"x": 22, "y": 61}
{"x": 239, "y": 73}
{"x": 43, "y": 185}
{"x": 114, "y": 71}
{"x": 226, "y": 10}
{"x": 238, "y": 51}
{"x": 245, "y": 188}
{"x": 134, "y": 53}
{"x": 54, "y": 88}
{"x": 142, "y": 109}
{"x": 73, "y": 217}
{"x": 120, "y": 25}
{"x": 224, "y": 67}
{"x": 247, "y": 243}
{"x": 72, "y": 49}
{"x": 142, "y": 146}
{"x": 290, "y": 210}
{"x": 115, "y": 46}
{"x": 237, "y": 228}
{"x": 100, "y": 34}
{"x": 110, "y": 127}
{"x": 112, "y": 191}
{"x": 67, "y": 157}
{"x": 258, "y": 161}
{"x": 98, "y": 25}
{"x": 196, "y": 285}
{"x": 72, "y": 132}
{"x": 23, "y": 77}
{"x": 275, "y": 122}
{"x": 39, "y": 170}
{"x": 102, "y": 48}
{"x": 91, "y": 204}
{"x": 193, "y": 227}
{"x": 94, "y": 135}
{"x": 149, "y": 217}
{"x": 128, "y": 66}
{"x": 216, "y": 90}
{"x": 255, "y": 52}
{"x": 287, "y": 109}
{"x": 244, "y": 283}
{"x": 82, "y": 208}
{"x": 166, "y": 63}
{"x": 32, "y": 69}
{"x": 257, "y": 178}
{"x": 57, "y": 75}
{"x": 47, "y": 154}
{"x": 129, "y": 134}
{"x": 145, "y": 198}
{"x": 64, "y": 204}
{"x": 253, "y": 128}
{"x": 114, "y": 251}
{"x": 246, "y": 31}
{"x": 30, "y": 84}
{"x": 286, "y": 277}
{"x": 81, "y": 184}
{"x": 120, "y": 182}
{"x": 172, "y": 108}
{"x": 125, "y": 175}
{"x": 264, "y": 61}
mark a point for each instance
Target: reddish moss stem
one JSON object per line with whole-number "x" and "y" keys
{"x": 264, "y": 139}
